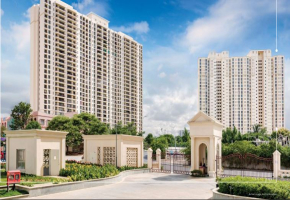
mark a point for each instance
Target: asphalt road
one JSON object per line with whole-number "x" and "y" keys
{"x": 146, "y": 186}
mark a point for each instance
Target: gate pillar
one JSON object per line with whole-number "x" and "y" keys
{"x": 158, "y": 158}
{"x": 192, "y": 153}
{"x": 276, "y": 163}
{"x": 149, "y": 158}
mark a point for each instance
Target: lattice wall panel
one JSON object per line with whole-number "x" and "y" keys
{"x": 132, "y": 157}
{"x": 109, "y": 155}
{"x": 45, "y": 158}
{"x": 99, "y": 155}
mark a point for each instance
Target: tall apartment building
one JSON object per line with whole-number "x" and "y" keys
{"x": 78, "y": 64}
{"x": 243, "y": 91}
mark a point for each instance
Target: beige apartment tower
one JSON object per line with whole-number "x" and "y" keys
{"x": 78, "y": 64}
{"x": 243, "y": 91}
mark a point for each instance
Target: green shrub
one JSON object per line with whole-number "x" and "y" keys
{"x": 3, "y": 167}
{"x": 255, "y": 187}
{"x": 79, "y": 171}
{"x": 197, "y": 173}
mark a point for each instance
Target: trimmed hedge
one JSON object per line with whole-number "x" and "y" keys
{"x": 255, "y": 187}
{"x": 197, "y": 173}
{"x": 124, "y": 168}
{"x": 82, "y": 163}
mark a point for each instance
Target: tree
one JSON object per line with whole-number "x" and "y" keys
{"x": 149, "y": 139}
{"x": 63, "y": 123}
{"x": 263, "y": 131}
{"x": 161, "y": 143}
{"x": 256, "y": 128}
{"x": 187, "y": 149}
{"x": 284, "y": 132}
{"x": 231, "y": 135}
{"x": 128, "y": 129}
{"x": 88, "y": 124}
{"x": 21, "y": 114}
{"x": 170, "y": 139}
{"x": 33, "y": 125}
{"x": 186, "y": 135}
{"x": 59, "y": 123}
{"x": 78, "y": 125}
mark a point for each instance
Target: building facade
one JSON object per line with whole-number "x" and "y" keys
{"x": 243, "y": 91}
{"x": 6, "y": 122}
{"x": 79, "y": 64}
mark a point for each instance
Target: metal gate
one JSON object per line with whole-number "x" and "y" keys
{"x": 172, "y": 163}
{"x": 249, "y": 165}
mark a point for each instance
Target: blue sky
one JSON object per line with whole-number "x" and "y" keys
{"x": 174, "y": 33}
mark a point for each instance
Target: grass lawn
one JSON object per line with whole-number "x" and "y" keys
{"x": 4, "y": 193}
{"x": 30, "y": 180}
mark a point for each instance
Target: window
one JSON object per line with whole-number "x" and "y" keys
{"x": 42, "y": 121}
{"x": 20, "y": 159}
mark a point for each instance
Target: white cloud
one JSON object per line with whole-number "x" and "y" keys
{"x": 100, "y": 7}
{"x": 227, "y": 20}
{"x": 15, "y": 65}
{"x": 167, "y": 57}
{"x": 137, "y": 27}
{"x": 83, "y": 4}
{"x": 2, "y": 12}
{"x": 18, "y": 35}
{"x": 162, "y": 75}
{"x": 27, "y": 13}
{"x": 169, "y": 110}
{"x": 159, "y": 67}
{"x": 168, "y": 103}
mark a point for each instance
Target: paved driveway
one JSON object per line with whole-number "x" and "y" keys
{"x": 146, "y": 186}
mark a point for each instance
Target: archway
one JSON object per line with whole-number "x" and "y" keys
{"x": 203, "y": 155}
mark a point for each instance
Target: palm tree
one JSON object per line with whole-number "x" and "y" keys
{"x": 256, "y": 128}
{"x": 185, "y": 135}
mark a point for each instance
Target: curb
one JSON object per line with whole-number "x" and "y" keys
{"x": 70, "y": 186}
{"x": 16, "y": 197}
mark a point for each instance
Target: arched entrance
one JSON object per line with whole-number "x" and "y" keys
{"x": 202, "y": 155}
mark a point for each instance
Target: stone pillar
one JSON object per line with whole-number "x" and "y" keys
{"x": 211, "y": 157}
{"x": 276, "y": 163}
{"x": 149, "y": 158}
{"x": 158, "y": 158}
{"x": 192, "y": 153}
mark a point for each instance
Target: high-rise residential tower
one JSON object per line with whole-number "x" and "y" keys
{"x": 78, "y": 64}
{"x": 243, "y": 91}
